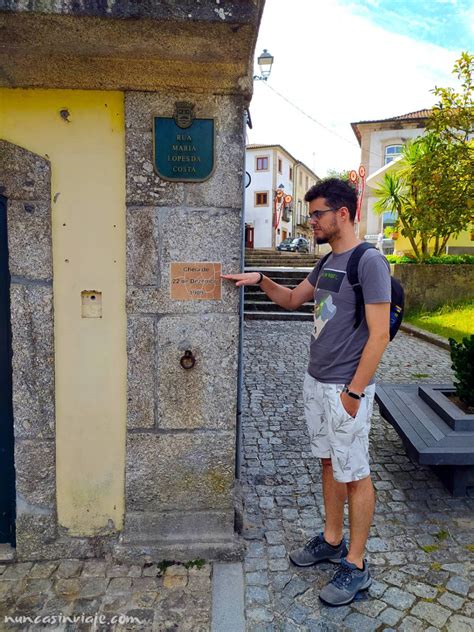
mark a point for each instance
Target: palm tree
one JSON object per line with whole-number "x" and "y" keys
{"x": 394, "y": 196}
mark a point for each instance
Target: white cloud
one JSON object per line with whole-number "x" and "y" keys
{"x": 338, "y": 68}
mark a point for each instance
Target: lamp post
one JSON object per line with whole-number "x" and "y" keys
{"x": 265, "y": 61}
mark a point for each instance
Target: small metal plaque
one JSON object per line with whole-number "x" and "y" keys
{"x": 195, "y": 281}
{"x": 183, "y": 146}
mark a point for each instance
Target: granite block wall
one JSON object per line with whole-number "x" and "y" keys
{"x": 181, "y": 439}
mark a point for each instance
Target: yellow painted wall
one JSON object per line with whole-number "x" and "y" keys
{"x": 87, "y": 155}
{"x": 402, "y": 244}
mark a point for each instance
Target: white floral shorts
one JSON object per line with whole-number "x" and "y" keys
{"x": 333, "y": 433}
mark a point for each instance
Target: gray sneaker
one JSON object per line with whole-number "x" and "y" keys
{"x": 318, "y": 550}
{"x": 345, "y": 584}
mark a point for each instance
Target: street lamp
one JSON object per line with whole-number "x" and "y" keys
{"x": 265, "y": 62}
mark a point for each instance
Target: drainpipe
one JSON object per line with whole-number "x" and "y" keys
{"x": 240, "y": 362}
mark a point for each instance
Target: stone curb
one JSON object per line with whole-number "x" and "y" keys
{"x": 228, "y": 597}
{"x": 439, "y": 341}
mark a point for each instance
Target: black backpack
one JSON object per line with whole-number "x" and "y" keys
{"x": 397, "y": 302}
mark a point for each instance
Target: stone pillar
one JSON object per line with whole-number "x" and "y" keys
{"x": 181, "y": 437}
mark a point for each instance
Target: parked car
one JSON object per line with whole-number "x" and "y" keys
{"x": 294, "y": 244}
{"x": 385, "y": 245}
{"x": 285, "y": 244}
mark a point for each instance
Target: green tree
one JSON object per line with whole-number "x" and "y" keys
{"x": 342, "y": 175}
{"x": 432, "y": 188}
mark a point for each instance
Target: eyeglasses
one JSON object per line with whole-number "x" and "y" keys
{"x": 319, "y": 214}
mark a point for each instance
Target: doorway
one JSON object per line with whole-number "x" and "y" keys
{"x": 7, "y": 471}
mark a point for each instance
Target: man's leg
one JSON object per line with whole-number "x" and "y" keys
{"x": 334, "y": 495}
{"x": 350, "y": 442}
{"x": 319, "y": 548}
{"x": 361, "y": 510}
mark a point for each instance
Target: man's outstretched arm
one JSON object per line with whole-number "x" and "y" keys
{"x": 283, "y": 296}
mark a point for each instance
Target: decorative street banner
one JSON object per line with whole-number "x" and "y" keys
{"x": 183, "y": 146}
{"x": 358, "y": 181}
{"x": 195, "y": 281}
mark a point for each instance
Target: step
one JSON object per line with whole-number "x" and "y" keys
{"x": 279, "y": 271}
{"x": 268, "y": 306}
{"x": 295, "y": 316}
{"x": 275, "y": 253}
{"x": 281, "y": 257}
{"x": 279, "y": 264}
{"x": 257, "y": 295}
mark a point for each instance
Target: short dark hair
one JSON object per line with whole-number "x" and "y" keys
{"x": 336, "y": 192}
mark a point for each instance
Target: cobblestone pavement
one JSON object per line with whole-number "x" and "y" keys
{"x": 419, "y": 550}
{"x": 421, "y": 539}
{"x": 92, "y": 592}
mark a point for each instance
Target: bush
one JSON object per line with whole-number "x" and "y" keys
{"x": 446, "y": 259}
{"x": 462, "y": 355}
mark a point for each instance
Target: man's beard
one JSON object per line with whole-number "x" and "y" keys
{"x": 331, "y": 233}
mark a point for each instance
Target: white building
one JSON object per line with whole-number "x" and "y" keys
{"x": 271, "y": 168}
{"x": 381, "y": 142}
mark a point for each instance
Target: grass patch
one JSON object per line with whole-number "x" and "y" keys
{"x": 430, "y": 548}
{"x": 195, "y": 564}
{"x": 470, "y": 547}
{"x": 435, "y": 566}
{"x": 419, "y": 375}
{"x": 164, "y": 565}
{"x": 441, "y": 535}
{"x": 450, "y": 320}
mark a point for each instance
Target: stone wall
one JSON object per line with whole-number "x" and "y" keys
{"x": 26, "y": 184}
{"x": 181, "y": 423}
{"x": 429, "y": 286}
{"x": 203, "y": 46}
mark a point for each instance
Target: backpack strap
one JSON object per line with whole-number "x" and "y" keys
{"x": 321, "y": 263}
{"x": 353, "y": 278}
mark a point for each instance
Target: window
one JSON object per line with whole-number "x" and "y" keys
{"x": 280, "y": 165}
{"x": 307, "y": 182}
{"x": 262, "y": 163}
{"x": 261, "y": 199}
{"x": 392, "y": 152}
{"x": 290, "y": 175}
{"x": 300, "y": 179}
{"x": 298, "y": 213}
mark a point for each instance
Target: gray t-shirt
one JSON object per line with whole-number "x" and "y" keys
{"x": 336, "y": 346}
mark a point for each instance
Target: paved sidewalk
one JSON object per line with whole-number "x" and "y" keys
{"x": 101, "y": 595}
{"x": 419, "y": 548}
{"x": 421, "y": 538}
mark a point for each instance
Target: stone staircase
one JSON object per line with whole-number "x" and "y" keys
{"x": 285, "y": 268}
{"x": 273, "y": 258}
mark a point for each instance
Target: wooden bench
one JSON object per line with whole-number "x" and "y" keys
{"x": 427, "y": 429}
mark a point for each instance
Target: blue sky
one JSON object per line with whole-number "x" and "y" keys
{"x": 342, "y": 61}
{"x": 446, "y": 23}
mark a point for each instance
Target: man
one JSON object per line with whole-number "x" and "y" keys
{"x": 338, "y": 388}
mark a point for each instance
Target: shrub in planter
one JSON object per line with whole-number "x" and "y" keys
{"x": 445, "y": 259}
{"x": 462, "y": 355}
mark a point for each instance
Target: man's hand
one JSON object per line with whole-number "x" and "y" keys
{"x": 245, "y": 278}
{"x": 350, "y": 405}
{"x": 279, "y": 294}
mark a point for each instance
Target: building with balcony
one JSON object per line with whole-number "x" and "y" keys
{"x": 268, "y": 218}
